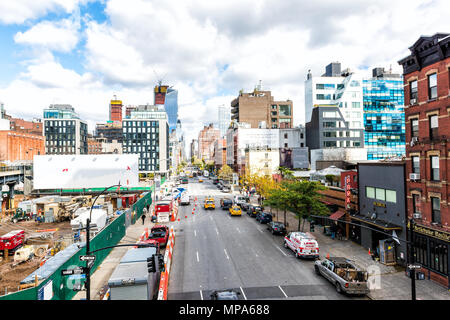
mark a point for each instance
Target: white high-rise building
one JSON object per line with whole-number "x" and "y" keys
{"x": 224, "y": 119}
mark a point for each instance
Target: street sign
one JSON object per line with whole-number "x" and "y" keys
{"x": 414, "y": 266}
{"x": 68, "y": 272}
{"x": 87, "y": 258}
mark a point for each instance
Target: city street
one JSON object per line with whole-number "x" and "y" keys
{"x": 215, "y": 251}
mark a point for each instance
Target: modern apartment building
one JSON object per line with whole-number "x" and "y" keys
{"x": 224, "y": 119}
{"x": 384, "y": 115}
{"x": 146, "y": 132}
{"x": 110, "y": 131}
{"x": 64, "y": 131}
{"x": 334, "y": 115}
{"x": 206, "y": 139}
{"x": 171, "y": 107}
{"x": 260, "y": 110}
{"x": 426, "y": 79}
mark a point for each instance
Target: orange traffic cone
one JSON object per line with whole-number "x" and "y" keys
{"x": 328, "y": 256}
{"x": 370, "y": 252}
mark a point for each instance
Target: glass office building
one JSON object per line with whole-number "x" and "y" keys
{"x": 384, "y": 115}
{"x": 171, "y": 107}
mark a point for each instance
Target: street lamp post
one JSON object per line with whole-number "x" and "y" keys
{"x": 88, "y": 235}
{"x": 412, "y": 270}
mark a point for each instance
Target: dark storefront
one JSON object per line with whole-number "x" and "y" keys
{"x": 431, "y": 249}
{"x": 382, "y": 210}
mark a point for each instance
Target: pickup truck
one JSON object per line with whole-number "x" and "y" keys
{"x": 345, "y": 276}
{"x": 159, "y": 233}
{"x": 303, "y": 244}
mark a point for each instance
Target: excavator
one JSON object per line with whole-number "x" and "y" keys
{"x": 67, "y": 210}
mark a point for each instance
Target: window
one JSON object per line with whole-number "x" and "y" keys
{"x": 433, "y": 120}
{"x": 380, "y": 194}
{"x": 356, "y": 104}
{"x": 370, "y": 192}
{"x": 432, "y": 86}
{"x": 340, "y": 86}
{"x": 415, "y": 160}
{"x": 325, "y": 86}
{"x": 439, "y": 256}
{"x": 323, "y": 96}
{"x": 415, "y": 128}
{"x": 416, "y": 203}
{"x": 285, "y": 135}
{"x": 434, "y": 168}
{"x": 329, "y": 134}
{"x": 329, "y": 144}
{"x": 354, "y": 83}
{"x": 391, "y": 196}
{"x": 435, "y": 210}
{"x": 285, "y": 110}
{"x": 329, "y": 124}
{"x": 413, "y": 90}
{"x": 329, "y": 114}
{"x": 420, "y": 249}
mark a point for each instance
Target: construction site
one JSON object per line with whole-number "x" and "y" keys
{"x": 38, "y": 228}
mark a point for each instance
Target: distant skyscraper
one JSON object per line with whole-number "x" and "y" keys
{"x": 171, "y": 106}
{"x": 224, "y": 119}
{"x": 384, "y": 115}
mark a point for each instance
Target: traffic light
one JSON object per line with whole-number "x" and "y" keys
{"x": 151, "y": 265}
{"x": 161, "y": 263}
{"x": 311, "y": 226}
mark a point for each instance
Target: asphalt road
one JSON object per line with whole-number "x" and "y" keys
{"x": 215, "y": 251}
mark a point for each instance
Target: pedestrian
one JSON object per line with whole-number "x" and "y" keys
{"x": 143, "y": 218}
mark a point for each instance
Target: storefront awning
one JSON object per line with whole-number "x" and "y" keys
{"x": 338, "y": 214}
{"x": 377, "y": 223}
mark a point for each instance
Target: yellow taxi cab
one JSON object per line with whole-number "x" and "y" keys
{"x": 191, "y": 176}
{"x": 209, "y": 203}
{"x": 200, "y": 180}
{"x": 235, "y": 210}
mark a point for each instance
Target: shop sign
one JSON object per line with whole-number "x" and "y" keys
{"x": 379, "y": 204}
{"x": 444, "y": 236}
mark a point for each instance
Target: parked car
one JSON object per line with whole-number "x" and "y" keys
{"x": 244, "y": 206}
{"x": 226, "y": 203}
{"x": 160, "y": 233}
{"x": 276, "y": 228}
{"x": 215, "y": 181}
{"x": 345, "y": 276}
{"x": 303, "y": 244}
{"x": 219, "y": 186}
{"x": 225, "y": 295}
{"x": 263, "y": 217}
{"x": 253, "y": 209}
{"x": 226, "y": 189}
{"x": 153, "y": 243}
{"x": 238, "y": 199}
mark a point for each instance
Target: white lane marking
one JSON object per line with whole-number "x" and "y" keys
{"x": 197, "y": 257}
{"x": 195, "y": 232}
{"x": 243, "y": 293}
{"x": 225, "y": 250}
{"x": 217, "y": 231}
{"x": 201, "y": 295}
{"x": 260, "y": 230}
{"x": 210, "y": 218}
{"x": 283, "y": 292}
{"x": 281, "y": 250}
{"x": 238, "y": 230}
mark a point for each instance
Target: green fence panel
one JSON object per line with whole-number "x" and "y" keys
{"x": 27, "y": 294}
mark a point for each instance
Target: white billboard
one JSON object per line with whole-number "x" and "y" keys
{"x": 85, "y": 171}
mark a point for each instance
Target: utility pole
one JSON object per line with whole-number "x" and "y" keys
{"x": 88, "y": 269}
{"x": 412, "y": 270}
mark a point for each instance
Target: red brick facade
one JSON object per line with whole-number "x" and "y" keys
{"x": 429, "y": 60}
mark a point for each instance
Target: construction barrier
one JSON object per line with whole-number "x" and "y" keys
{"x": 164, "y": 280}
{"x": 174, "y": 212}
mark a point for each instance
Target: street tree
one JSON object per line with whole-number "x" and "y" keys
{"x": 226, "y": 173}
{"x": 304, "y": 199}
{"x": 285, "y": 173}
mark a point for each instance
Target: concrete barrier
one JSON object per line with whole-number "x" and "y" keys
{"x": 164, "y": 280}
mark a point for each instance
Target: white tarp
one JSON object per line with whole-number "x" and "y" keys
{"x": 85, "y": 171}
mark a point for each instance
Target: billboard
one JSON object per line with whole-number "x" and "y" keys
{"x": 286, "y": 158}
{"x": 85, "y": 171}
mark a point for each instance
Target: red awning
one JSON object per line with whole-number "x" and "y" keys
{"x": 337, "y": 215}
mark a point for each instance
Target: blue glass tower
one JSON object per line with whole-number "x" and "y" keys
{"x": 171, "y": 107}
{"x": 384, "y": 115}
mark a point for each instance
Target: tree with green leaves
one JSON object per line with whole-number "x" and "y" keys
{"x": 278, "y": 198}
{"x": 304, "y": 199}
{"x": 226, "y": 173}
{"x": 285, "y": 173}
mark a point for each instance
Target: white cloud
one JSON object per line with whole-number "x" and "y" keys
{"x": 208, "y": 51}
{"x": 19, "y": 11}
{"x": 53, "y": 35}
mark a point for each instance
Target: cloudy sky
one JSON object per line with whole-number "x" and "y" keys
{"x": 82, "y": 52}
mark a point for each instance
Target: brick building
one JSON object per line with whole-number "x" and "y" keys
{"x": 259, "y": 106}
{"x": 206, "y": 139}
{"x": 15, "y": 146}
{"x": 426, "y": 73}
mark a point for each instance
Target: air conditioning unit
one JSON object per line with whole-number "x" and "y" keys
{"x": 417, "y": 215}
{"x": 414, "y": 140}
{"x": 414, "y": 176}
{"x": 413, "y": 101}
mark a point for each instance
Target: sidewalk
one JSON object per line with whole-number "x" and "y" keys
{"x": 101, "y": 276}
{"x": 395, "y": 285}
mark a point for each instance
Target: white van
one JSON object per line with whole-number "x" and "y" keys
{"x": 185, "y": 199}
{"x": 239, "y": 199}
